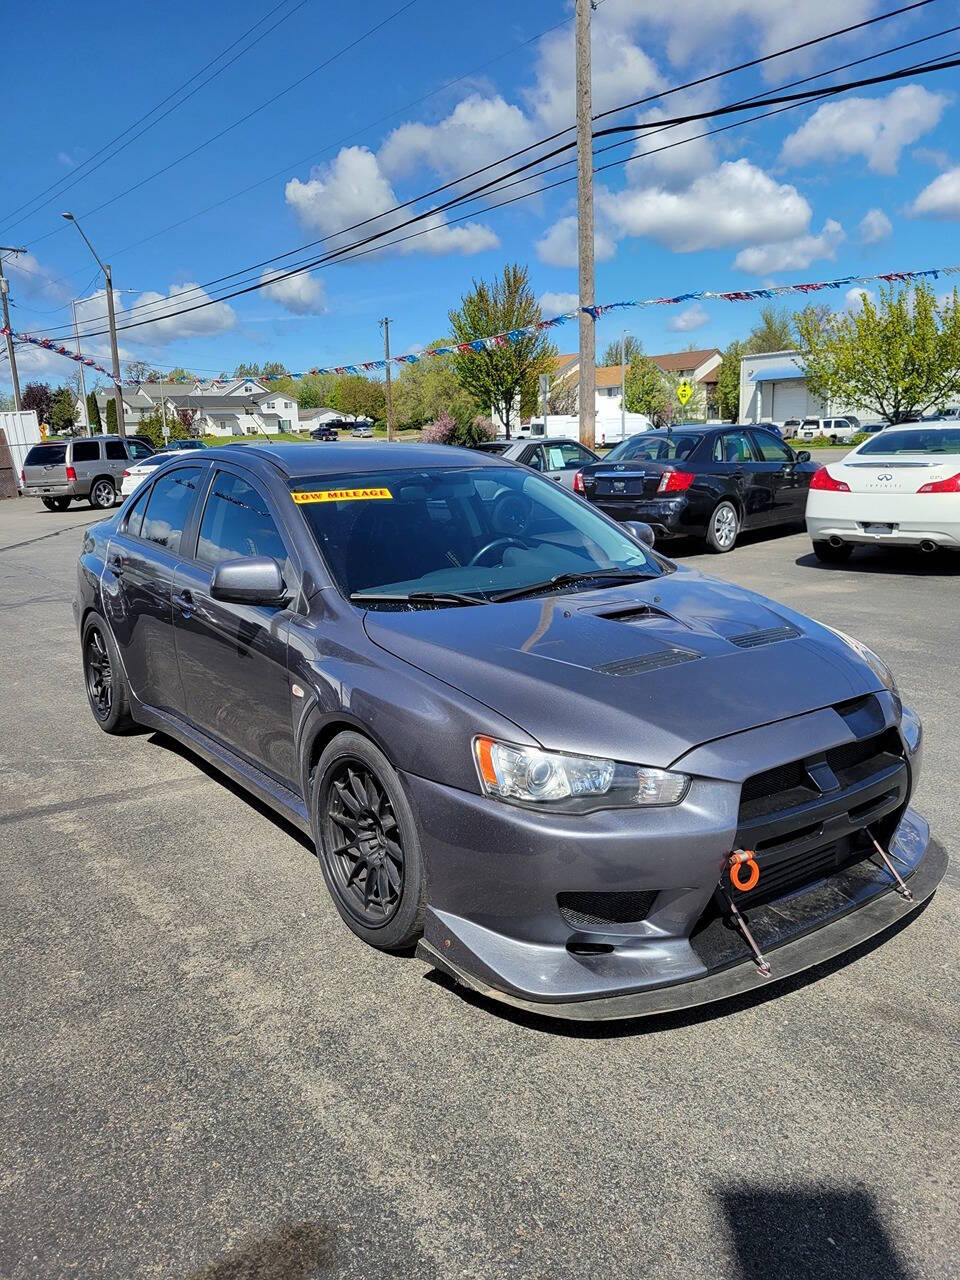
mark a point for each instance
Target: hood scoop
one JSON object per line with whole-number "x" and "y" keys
{"x": 647, "y": 662}
{"x": 770, "y": 635}
{"x": 634, "y": 613}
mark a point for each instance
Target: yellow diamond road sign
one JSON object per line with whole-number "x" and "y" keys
{"x": 684, "y": 392}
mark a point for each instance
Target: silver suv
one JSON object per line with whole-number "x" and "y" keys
{"x": 58, "y": 471}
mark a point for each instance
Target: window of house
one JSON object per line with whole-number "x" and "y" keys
{"x": 236, "y": 522}
{"x": 86, "y": 451}
{"x": 169, "y": 505}
{"x": 284, "y": 424}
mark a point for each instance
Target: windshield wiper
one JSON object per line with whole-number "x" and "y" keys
{"x": 415, "y": 597}
{"x": 568, "y": 579}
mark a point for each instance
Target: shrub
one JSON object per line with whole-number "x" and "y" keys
{"x": 440, "y": 431}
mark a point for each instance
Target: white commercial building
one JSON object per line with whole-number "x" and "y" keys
{"x": 773, "y": 388}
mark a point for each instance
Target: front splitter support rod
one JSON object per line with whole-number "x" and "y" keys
{"x": 763, "y": 968}
{"x": 902, "y": 889}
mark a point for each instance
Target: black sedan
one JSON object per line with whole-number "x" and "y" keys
{"x": 708, "y": 482}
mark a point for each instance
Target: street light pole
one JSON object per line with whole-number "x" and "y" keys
{"x": 83, "y": 381}
{"x": 588, "y": 337}
{"x": 4, "y": 288}
{"x": 108, "y": 278}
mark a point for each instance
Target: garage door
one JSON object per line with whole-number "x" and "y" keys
{"x": 789, "y": 400}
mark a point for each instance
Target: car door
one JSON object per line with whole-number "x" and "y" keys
{"x": 84, "y": 457}
{"x": 564, "y": 460}
{"x": 738, "y": 466}
{"x": 787, "y": 479}
{"x": 233, "y": 656}
{"x": 138, "y": 583}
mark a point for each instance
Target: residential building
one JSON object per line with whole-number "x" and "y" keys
{"x": 696, "y": 366}
{"x": 233, "y": 407}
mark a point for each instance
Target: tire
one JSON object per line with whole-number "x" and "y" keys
{"x": 103, "y": 493}
{"x": 723, "y": 528}
{"x": 56, "y": 504}
{"x": 103, "y": 678}
{"x": 833, "y": 555}
{"x": 361, "y": 822}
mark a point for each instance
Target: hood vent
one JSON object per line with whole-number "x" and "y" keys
{"x": 647, "y": 662}
{"x": 755, "y": 639}
{"x": 634, "y": 613}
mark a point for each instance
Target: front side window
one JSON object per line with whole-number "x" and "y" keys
{"x": 133, "y": 523}
{"x": 86, "y": 451}
{"x": 915, "y": 440}
{"x": 169, "y": 506}
{"x": 771, "y": 449}
{"x": 137, "y": 449}
{"x": 236, "y": 522}
{"x": 475, "y": 530}
{"x": 116, "y": 451}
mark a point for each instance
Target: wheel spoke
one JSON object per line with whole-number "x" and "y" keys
{"x": 347, "y": 798}
{"x": 345, "y": 822}
{"x": 356, "y": 786}
{"x": 393, "y": 878}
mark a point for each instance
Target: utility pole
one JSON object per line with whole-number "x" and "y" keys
{"x": 588, "y": 337}
{"x": 385, "y": 326}
{"x": 163, "y": 409}
{"x": 83, "y": 382}
{"x": 4, "y": 288}
{"x": 117, "y": 384}
{"x": 623, "y": 383}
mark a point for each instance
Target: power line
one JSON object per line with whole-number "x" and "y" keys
{"x": 76, "y": 176}
{"x": 658, "y": 126}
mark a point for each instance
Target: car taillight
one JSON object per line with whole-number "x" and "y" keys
{"x": 578, "y": 483}
{"x": 71, "y": 474}
{"x": 23, "y": 478}
{"x": 126, "y": 475}
{"x": 675, "y": 481}
{"x": 822, "y": 479}
{"x": 950, "y": 485}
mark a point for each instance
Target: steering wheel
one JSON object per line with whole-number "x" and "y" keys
{"x": 493, "y": 544}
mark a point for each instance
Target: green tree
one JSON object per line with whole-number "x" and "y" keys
{"x": 63, "y": 411}
{"x": 772, "y": 332}
{"x": 313, "y": 391}
{"x": 180, "y": 375}
{"x": 728, "y": 381}
{"x": 425, "y": 391}
{"x": 111, "y": 417}
{"x": 504, "y": 377}
{"x": 152, "y": 428}
{"x": 93, "y": 411}
{"x": 247, "y": 369}
{"x": 360, "y": 397}
{"x": 647, "y": 391}
{"x": 895, "y": 357}
{"x": 632, "y": 348}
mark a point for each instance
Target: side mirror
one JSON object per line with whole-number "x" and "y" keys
{"x": 803, "y": 455}
{"x": 639, "y": 532}
{"x": 248, "y": 580}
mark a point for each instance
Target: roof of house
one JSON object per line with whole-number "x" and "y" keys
{"x": 669, "y": 362}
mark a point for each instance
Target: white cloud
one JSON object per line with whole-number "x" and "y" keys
{"x": 792, "y": 255}
{"x": 690, "y": 318}
{"x": 876, "y": 128}
{"x": 853, "y": 298}
{"x": 874, "y": 226}
{"x": 32, "y": 279}
{"x": 302, "y": 294}
{"x": 557, "y": 247}
{"x": 555, "y": 304}
{"x": 152, "y": 308}
{"x": 735, "y": 204}
{"x": 621, "y": 73}
{"x": 477, "y": 131}
{"x": 353, "y": 189}
{"x": 941, "y": 199}
{"x": 666, "y": 164}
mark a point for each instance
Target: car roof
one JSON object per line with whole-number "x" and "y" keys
{"x": 296, "y": 459}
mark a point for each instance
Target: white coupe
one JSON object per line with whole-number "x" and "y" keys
{"x": 901, "y": 487}
{"x": 135, "y": 475}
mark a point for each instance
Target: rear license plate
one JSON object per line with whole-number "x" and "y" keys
{"x": 878, "y": 530}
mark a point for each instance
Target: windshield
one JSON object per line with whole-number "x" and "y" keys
{"x": 916, "y": 440}
{"x": 472, "y": 530}
{"x": 658, "y": 447}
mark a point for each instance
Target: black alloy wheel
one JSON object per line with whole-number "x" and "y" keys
{"x": 363, "y": 847}
{"x": 98, "y": 672}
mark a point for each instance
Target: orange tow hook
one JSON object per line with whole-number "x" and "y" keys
{"x": 740, "y": 860}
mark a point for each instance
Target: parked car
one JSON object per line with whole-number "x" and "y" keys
{"x": 91, "y": 467}
{"x": 561, "y": 460}
{"x": 137, "y": 472}
{"x": 899, "y": 488}
{"x": 765, "y": 426}
{"x": 177, "y": 446}
{"x": 708, "y": 483}
{"x": 561, "y": 765}
{"x": 327, "y": 431}
{"x": 362, "y": 431}
{"x": 839, "y": 430}
{"x": 791, "y": 427}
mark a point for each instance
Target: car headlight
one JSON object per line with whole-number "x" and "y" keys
{"x": 873, "y": 661}
{"x": 527, "y": 775}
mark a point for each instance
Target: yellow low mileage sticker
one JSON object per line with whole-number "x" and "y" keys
{"x": 339, "y": 495}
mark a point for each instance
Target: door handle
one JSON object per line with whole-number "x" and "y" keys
{"x": 116, "y": 562}
{"x": 184, "y": 600}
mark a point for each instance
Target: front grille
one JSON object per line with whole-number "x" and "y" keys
{"x": 595, "y": 910}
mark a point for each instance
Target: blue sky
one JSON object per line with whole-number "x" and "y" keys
{"x": 864, "y": 183}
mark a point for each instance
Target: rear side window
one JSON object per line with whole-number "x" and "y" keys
{"x": 86, "y": 451}
{"x": 169, "y": 506}
{"x": 137, "y": 449}
{"x": 732, "y": 446}
{"x": 236, "y": 522}
{"x": 134, "y": 520}
{"x": 116, "y": 451}
{"x": 46, "y": 455}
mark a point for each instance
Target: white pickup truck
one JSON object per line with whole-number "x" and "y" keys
{"x": 840, "y": 430}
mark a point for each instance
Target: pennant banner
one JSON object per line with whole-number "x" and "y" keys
{"x": 499, "y": 340}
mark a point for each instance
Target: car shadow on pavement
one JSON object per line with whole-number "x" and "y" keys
{"x": 797, "y": 1232}
{"x": 902, "y": 562}
{"x": 656, "y": 1023}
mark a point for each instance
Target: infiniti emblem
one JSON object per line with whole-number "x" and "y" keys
{"x": 885, "y": 475}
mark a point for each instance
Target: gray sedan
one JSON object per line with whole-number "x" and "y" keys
{"x": 559, "y": 460}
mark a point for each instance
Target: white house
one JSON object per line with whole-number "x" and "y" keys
{"x": 235, "y": 407}
{"x": 698, "y": 367}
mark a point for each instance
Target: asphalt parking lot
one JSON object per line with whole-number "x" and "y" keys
{"x": 205, "y": 1076}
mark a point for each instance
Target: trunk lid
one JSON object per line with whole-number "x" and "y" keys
{"x": 894, "y": 475}
{"x": 46, "y": 464}
{"x": 624, "y": 480}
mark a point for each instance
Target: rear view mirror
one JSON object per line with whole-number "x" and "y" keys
{"x": 639, "y": 532}
{"x": 803, "y": 455}
{"x": 248, "y": 580}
